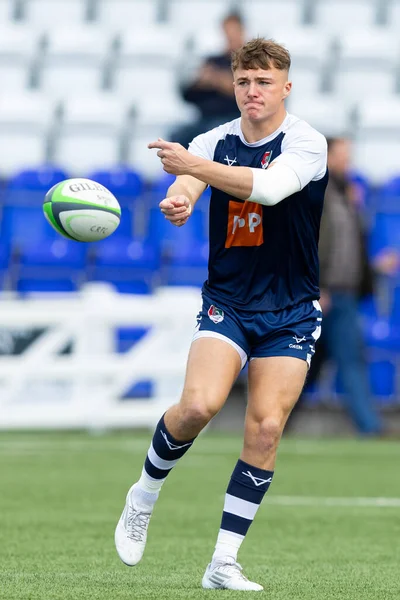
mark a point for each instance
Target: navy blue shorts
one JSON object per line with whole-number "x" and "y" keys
{"x": 289, "y": 332}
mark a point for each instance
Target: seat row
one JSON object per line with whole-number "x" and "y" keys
{"x": 330, "y": 14}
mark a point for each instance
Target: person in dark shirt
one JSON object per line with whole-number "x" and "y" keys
{"x": 346, "y": 275}
{"x": 268, "y": 172}
{"x": 212, "y": 90}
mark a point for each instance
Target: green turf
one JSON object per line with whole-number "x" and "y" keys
{"x": 61, "y": 495}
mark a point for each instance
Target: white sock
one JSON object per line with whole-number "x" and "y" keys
{"x": 228, "y": 544}
{"x": 147, "y": 489}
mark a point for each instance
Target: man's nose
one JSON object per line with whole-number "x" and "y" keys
{"x": 253, "y": 91}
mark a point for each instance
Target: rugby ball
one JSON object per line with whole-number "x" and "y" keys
{"x": 82, "y": 210}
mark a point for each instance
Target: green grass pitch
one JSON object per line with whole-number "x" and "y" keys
{"x": 321, "y": 533}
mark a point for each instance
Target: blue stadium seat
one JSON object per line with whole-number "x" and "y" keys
{"x": 5, "y": 256}
{"x": 385, "y": 232}
{"x": 55, "y": 266}
{"x": 130, "y": 265}
{"x": 126, "y": 184}
{"x": 389, "y": 197}
{"x": 382, "y": 380}
{"x": 25, "y": 223}
{"x": 29, "y": 187}
{"x": 173, "y": 240}
{"x": 187, "y": 266}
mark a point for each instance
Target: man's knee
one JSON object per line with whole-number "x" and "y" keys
{"x": 197, "y": 407}
{"x": 266, "y": 434}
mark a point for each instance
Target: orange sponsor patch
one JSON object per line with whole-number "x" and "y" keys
{"x": 245, "y": 226}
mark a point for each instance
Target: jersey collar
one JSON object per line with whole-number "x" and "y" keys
{"x": 267, "y": 139}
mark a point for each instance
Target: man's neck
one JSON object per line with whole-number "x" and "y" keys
{"x": 255, "y": 131}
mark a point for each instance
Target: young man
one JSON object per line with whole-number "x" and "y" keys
{"x": 268, "y": 175}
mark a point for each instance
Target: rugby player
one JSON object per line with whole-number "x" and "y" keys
{"x": 268, "y": 172}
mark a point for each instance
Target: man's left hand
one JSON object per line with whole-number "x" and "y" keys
{"x": 174, "y": 157}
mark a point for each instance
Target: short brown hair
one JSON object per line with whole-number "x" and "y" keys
{"x": 260, "y": 53}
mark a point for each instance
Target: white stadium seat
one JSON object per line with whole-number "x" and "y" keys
{"x": 310, "y": 50}
{"x": 394, "y": 14}
{"x": 25, "y": 122}
{"x": 325, "y": 112}
{"x": 18, "y": 47}
{"x": 90, "y": 133}
{"x": 264, "y": 18}
{"x": 340, "y": 15}
{"x": 7, "y": 11}
{"x": 140, "y": 157}
{"x": 45, "y": 13}
{"x": 75, "y": 60}
{"x": 117, "y": 14}
{"x": 207, "y": 42}
{"x": 190, "y": 15}
{"x": 377, "y": 148}
{"x": 148, "y": 62}
{"x": 367, "y": 64}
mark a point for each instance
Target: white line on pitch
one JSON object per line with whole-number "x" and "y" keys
{"x": 333, "y": 502}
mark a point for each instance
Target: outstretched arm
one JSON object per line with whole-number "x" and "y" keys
{"x": 264, "y": 187}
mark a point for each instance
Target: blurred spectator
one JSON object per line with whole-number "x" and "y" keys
{"x": 212, "y": 89}
{"x": 346, "y": 275}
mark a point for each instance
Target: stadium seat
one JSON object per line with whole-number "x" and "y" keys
{"x": 263, "y": 19}
{"x": 18, "y": 49}
{"x": 74, "y": 60}
{"x": 55, "y": 266}
{"x": 49, "y": 13}
{"x": 25, "y": 123}
{"x": 150, "y": 56}
{"x": 20, "y": 223}
{"x": 308, "y": 66}
{"x": 196, "y": 14}
{"x": 130, "y": 265}
{"x": 29, "y": 187}
{"x": 5, "y": 257}
{"x": 90, "y": 132}
{"x": 377, "y": 138}
{"x": 187, "y": 265}
{"x": 7, "y": 11}
{"x": 171, "y": 240}
{"x": 126, "y": 184}
{"x": 115, "y": 14}
{"x": 382, "y": 380}
{"x": 206, "y": 41}
{"x": 325, "y": 112}
{"x": 339, "y": 15}
{"x": 389, "y": 196}
{"x": 385, "y": 232}
{"x": 393, "y": 15}
{"x": 366, "y": 56}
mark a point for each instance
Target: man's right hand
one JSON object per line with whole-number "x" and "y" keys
{"x": 176, "y": 209}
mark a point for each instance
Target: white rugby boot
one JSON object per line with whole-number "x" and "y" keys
{"x": 227, "y": 575}
{"x": 131, "y": 531}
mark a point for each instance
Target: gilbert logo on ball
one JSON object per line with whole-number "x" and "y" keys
{"x": 82, "y": 210}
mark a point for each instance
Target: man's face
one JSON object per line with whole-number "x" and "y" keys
{"x": 339, "y": 157}
{"x": 259, "y": 93}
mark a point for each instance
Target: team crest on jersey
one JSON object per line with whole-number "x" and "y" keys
{"x": 266, "y": 159}
{"x": 215, "y": 314}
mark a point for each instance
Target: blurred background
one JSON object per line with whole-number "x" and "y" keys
{"x": 85, "y": 85}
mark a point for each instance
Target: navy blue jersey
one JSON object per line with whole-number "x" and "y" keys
{"x": 265, "y": 258}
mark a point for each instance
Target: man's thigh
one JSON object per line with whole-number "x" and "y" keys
{"x": 275, "y": 384}
{"x": 212, "y": 368}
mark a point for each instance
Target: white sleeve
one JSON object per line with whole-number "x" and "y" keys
{"x": 204, "y": 144}
{"x": 305, "y": 151}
